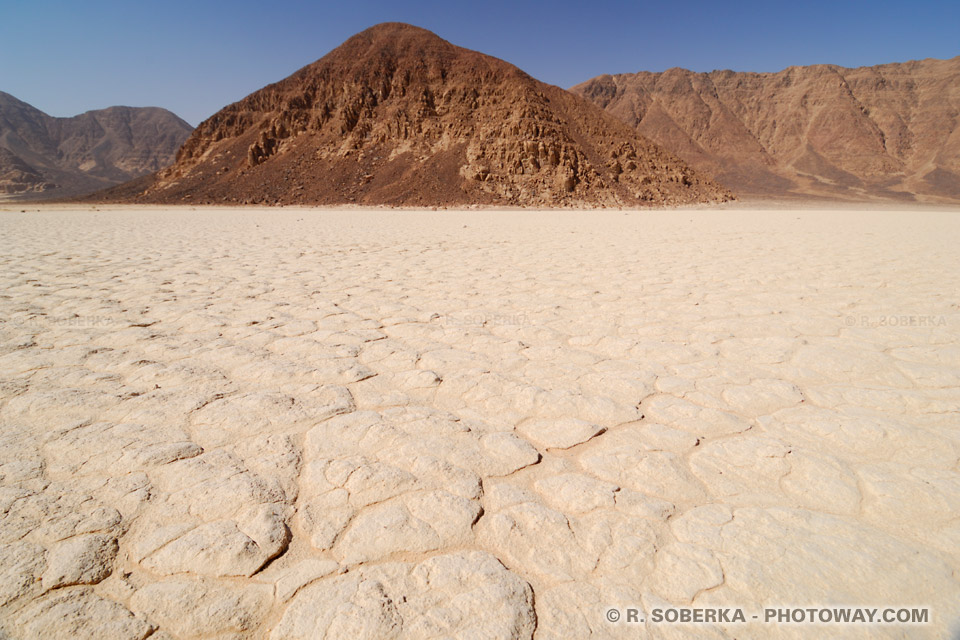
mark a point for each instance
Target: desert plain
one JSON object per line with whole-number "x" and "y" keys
{"x": 302, "y": 423}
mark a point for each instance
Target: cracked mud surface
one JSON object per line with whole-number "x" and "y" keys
{"x": 301, "y": 424}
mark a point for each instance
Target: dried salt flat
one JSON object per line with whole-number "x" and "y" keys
{"x": 296, "y": 423}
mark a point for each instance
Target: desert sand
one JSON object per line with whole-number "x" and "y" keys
{"x": 299, "y": 423}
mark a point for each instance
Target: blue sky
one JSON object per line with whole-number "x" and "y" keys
{"x": 194, "y": 57}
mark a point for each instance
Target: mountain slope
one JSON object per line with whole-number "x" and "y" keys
{"x": 44, "y": 157}
{"x": 398, "y": 116}
{"x": 882, "y": 132}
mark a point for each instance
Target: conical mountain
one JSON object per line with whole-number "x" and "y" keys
{"x": 398, "y": 116}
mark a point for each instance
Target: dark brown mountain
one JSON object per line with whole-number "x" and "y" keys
{"x": 398, "y": 116}
{"x": 46, "y": 157}
{"x": 883, "y": 132}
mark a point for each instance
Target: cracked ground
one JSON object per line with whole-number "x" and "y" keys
{"x": 359, "y": 424}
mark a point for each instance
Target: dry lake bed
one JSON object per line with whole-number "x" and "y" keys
{"x": 299, "y": 424}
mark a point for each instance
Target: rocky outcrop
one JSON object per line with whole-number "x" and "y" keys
{"x": 398, "y": 116}
{"x": 883, "y": 132}
{"x": 16, "y": 176}
{"x": 46, "y": 157}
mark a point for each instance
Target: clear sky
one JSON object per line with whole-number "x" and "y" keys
{"x": 193, "y": 57}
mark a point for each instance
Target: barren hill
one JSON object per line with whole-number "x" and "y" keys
{"x": 45, "y": 157}
{"x": 887, "y": 132}
{"x": 398, "y": 116}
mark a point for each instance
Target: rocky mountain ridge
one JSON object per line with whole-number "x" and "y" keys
{"x": 45, "y": 157}
{"x": 883, "y": 132}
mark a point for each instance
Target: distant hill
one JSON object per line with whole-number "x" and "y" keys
{"x": 883, "y": 132}
{"x": 398, "y": 116}
{"x": 46, "y": 157}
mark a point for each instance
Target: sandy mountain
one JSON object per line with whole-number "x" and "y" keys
{"x": 45, "y": 157}
{"x": 398, "y": 116}
{"x": 887, "y": 132}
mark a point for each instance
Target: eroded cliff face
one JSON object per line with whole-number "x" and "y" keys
{"x": 46, "y": 157}
{"x": 888, "y": 131}
{"x": 398, "y": 116}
